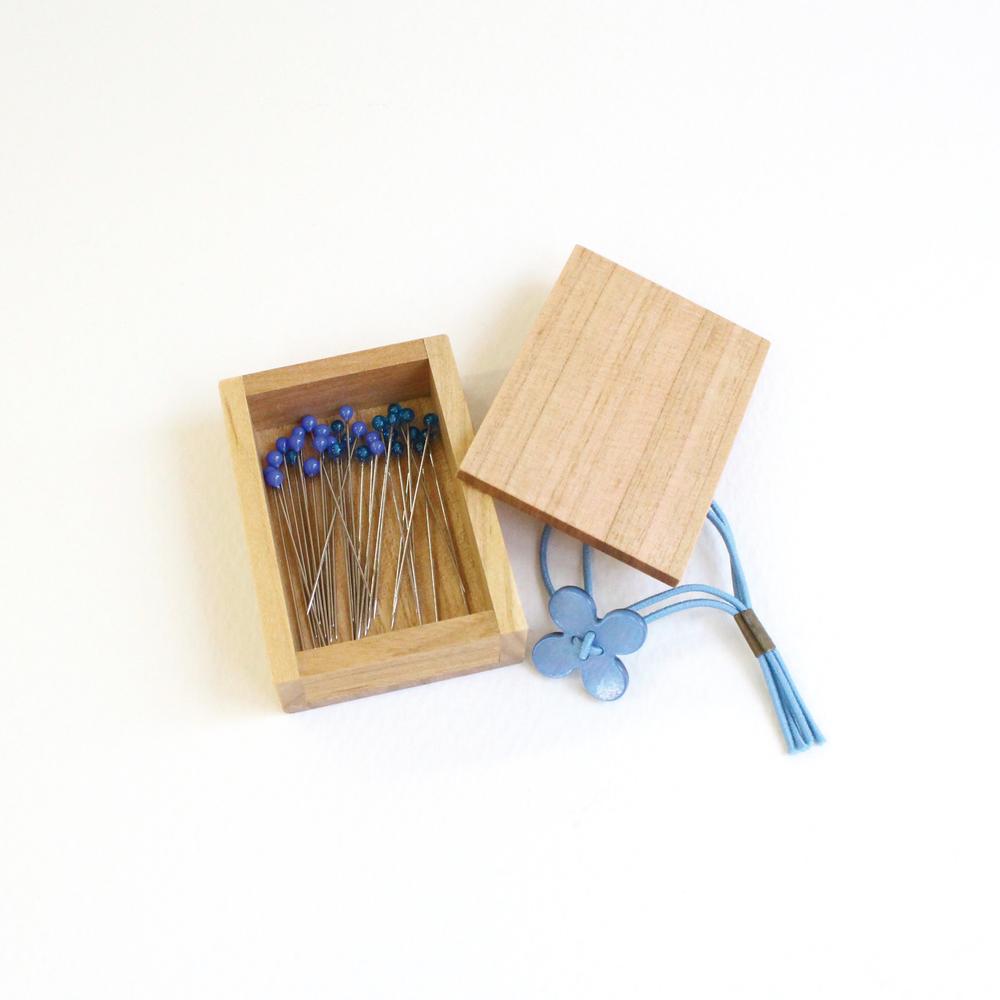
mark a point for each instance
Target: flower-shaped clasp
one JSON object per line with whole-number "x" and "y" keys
{"x": 589, "y": 642}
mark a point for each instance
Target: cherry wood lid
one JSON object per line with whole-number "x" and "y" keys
{"x": 616, "y": 420}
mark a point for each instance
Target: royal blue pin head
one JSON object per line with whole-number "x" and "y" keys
{"x": 308, "y": 423}
{"x": 359, "y": 429}
{"x": 346, "y": 412}
{"x": 274, "y": 478}
{"x": 275, "y": 458}
{"x": 311, "y": 467}
{"x": 281, "y": 444}
{"x": 376, "y": 446}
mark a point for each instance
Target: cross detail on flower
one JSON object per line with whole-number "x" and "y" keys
{"x": 589, "y": 643}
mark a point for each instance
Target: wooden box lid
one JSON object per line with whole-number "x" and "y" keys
{"x": 617, "y": 418}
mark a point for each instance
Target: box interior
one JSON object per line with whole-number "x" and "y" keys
{"x": 457, "y": 588}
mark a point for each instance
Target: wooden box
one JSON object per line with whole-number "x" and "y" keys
{"x": 482, "y": 627}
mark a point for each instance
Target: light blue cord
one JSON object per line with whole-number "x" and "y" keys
{"x": 797, "y": 725}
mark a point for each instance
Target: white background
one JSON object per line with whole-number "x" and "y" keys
{"x": 195, "y": 190}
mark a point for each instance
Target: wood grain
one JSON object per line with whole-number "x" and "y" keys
{"x": 367, "y": 378}
{"x": 275, "y": 622}
{"x": 617, "y": 418}
{"x": 477, "y": 510}
{"x": 481, "y": 623}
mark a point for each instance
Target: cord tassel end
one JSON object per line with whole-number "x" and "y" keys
{"x": 796, "y": 723}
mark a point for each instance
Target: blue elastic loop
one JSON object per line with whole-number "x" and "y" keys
{"x": 797, "y": 725}
{"x": 543, "y": 558}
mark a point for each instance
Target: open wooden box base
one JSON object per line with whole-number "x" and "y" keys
{"x": 480, "y": 622}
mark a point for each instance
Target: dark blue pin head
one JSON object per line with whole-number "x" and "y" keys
{"x": 292, "y": 456}
{"x": 397, "y": 448}
{"x": 379, "y": 423}
{"x": 362, "y": 454}
{"x": 334, "y": 450}
{"x": 337, "y": 427}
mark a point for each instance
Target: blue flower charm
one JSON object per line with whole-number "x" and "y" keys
{"x": 589, "y": 642}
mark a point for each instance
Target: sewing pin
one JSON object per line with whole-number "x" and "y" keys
{"x": 433, "y": 426}
{"x": 416, "y": 437}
